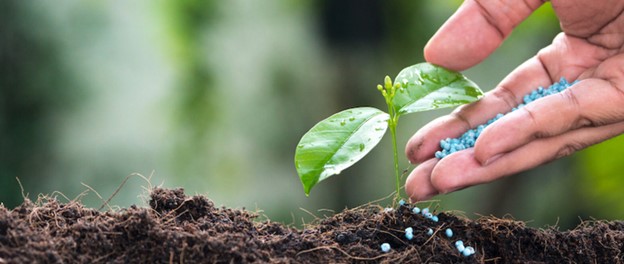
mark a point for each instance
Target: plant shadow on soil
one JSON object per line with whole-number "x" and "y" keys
{"x": 181, "y": 229}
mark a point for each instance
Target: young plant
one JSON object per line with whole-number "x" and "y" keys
{"x": 341, "y": 140}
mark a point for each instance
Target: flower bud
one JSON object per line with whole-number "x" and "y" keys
{"x": 387, "y": 82}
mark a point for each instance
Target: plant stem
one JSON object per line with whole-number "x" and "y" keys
{"x": 388, "y": 90}
{"x": 392, "y": 123}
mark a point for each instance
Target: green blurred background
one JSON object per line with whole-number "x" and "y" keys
{"x": 213, "y": 96}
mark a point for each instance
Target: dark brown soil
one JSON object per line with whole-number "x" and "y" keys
{"x": 181, "y": 229}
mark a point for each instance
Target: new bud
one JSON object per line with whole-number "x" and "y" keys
{"x": 387, "y": 82}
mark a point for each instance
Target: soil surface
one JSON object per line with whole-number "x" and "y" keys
{"x": 181, "y": 229}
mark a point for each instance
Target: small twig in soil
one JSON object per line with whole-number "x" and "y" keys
{"x": 495, "y": 260}
{"x": 25, "y": 197}
{"x": 175, "y": 217}
{"x": 315, "y": 218}
{"x": 98, "y": 195}
{"x": 112, "y": 233}
{"x": 100, "y": 259}
{"x": 149, "y": 184}
{"x": 35, "y": 212}
{"x": 415, "y": 259}
{"x": 80, "y": 195}
{"x": 182, "y": 253}
{"x": 61, "y": 194}
{"x": 375, "y": 202}
{"x": 331, "y": 212}
{"x": 392, "y": 235}
{"x": 294, "y": 220}
{"x": 434, "y": 233}
{"x": 339, "y": 250}
{"x": 428, "y": 260}
{"x": 556, "y": 224}
{"x": 175, "y": 211}
{"x": 149, "y": 188}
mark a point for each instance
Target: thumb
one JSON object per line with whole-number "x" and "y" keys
{"x": 476, "y": 29}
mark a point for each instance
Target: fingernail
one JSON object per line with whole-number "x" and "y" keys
{"x": 492, "y": 159}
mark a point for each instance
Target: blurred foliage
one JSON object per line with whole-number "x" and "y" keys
{"x": 35, "y": 87}
{"x": 214, "y": 95}
{"x": 602, "y": 178}
{"x": 195, "y": 105}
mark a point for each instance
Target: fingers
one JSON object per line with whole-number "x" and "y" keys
{"x": 418, "y": 185}
{"x": 567, "y": 57}
{"x": 502, "y": 99}
{"x": 586, "y": 18}
{"x": 475, "y": 31}
{"x": 461, "y": 169}
{"x": 592, "y": 102}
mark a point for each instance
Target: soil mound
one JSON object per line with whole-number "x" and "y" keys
{"x": 181, "y": 229}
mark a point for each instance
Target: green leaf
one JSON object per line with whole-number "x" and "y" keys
{"x": 338, "y": 142}
{"x": 425, "y": 86}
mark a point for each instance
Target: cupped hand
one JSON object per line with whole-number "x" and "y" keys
{"x": 590, "y": 49}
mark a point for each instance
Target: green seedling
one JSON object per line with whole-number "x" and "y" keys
{"x": 342, "y": 139}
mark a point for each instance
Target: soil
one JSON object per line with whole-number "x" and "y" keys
{"x": 181, "y": 229}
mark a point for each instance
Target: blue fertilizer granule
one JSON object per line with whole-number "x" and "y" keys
{"x": 448, "y": 232}
{"x": 468, "y": 139}
{"x": 385, "y": 247}
{"x": 468, "y": 251}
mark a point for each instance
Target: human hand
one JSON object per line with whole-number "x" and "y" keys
{"x": 590, "y": 49}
